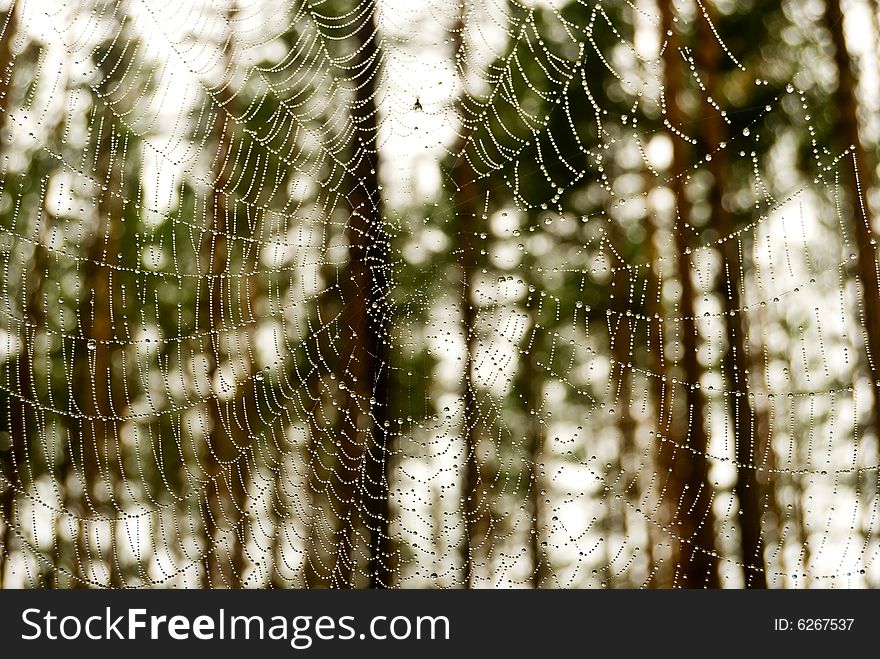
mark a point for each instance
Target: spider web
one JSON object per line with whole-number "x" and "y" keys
{"x": 334, "y": 294}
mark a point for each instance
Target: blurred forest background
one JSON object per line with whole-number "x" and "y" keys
{"x": 498, "y": 293}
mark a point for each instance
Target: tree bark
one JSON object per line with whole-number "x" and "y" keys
{"x": 655, "y": 338}
{"x": 466, "y": 210}
{"x": 466, "y": 204}
{"x": 856, "y": 180}
{"x": 736, "y": 359}
{"x": 621, "y": 338}
{"x": 687, "y": 490}
{"x": 225, "y": 494}
{"x": 98, "y": 378}
{"x": 18, "y": 427}
{"x": 529, "y": 391}
{"x": 365, "y": 452}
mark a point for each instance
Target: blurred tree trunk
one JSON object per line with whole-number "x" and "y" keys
{"x": 98, "y": 390}
{"x": 365, "y": 450}
{"x": 466, "y": 203}
{"x": 687, "y": 489}
{"x": 466, "y": 208}
{"x": 659, "y": 381}
{"x": 18, "y": 413}
{"x": 655, "y": 345}
{"x": 802, "y": 530}
{"x": 529, "y": 391}
{"x": 621, "y": 330}
{"x": 466, "y": 200}
{"x": 225, "y": 494}
{"x": 856, "y": 180}
{"x": 736, "y": 358}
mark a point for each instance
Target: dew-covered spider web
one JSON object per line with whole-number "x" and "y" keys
{"x": 351, "y": 293}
